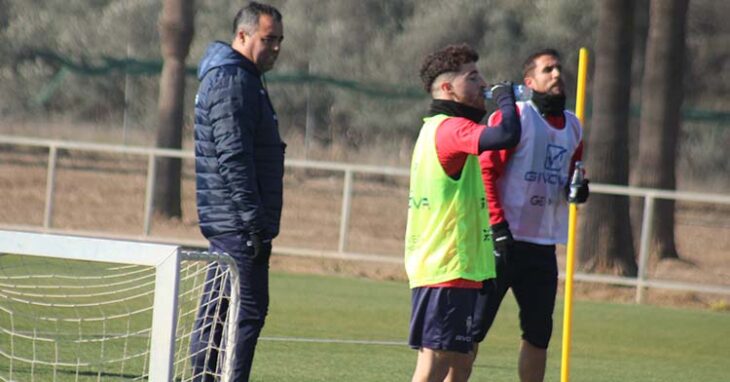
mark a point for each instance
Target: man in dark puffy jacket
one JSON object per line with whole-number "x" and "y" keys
{"x": 239, "y": 164}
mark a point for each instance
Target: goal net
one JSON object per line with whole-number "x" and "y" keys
{"x": 83, "y": 309}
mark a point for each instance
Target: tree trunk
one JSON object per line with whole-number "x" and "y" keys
{"x": 661, "y": 101}
{"x": 607, "y": 243}
{"x": 176, "y": 33}
{"x": 641, "y": 31}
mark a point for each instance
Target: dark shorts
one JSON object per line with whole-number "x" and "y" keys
{"x": 531, "y": 270}
{"x": 442, "y": 319}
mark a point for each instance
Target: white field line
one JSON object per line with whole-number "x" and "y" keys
{"x": 262, "y": 338}
{"x": 334, "y": 341}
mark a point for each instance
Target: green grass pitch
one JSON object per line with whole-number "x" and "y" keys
{"x": 611, "y": 342}
{"x": 329, "y": 328}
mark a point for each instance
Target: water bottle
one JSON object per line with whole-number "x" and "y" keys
{"x": 521, "y": 92}
{"x": 576, "y": 181}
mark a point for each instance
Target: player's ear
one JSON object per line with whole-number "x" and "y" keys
{"x": 529, "y": 81}
{"x": 446, "y": 87}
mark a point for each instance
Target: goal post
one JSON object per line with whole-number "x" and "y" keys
{"x": 69, "y": 304}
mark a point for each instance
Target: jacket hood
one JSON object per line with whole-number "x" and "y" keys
{"x": 220, "y": 54}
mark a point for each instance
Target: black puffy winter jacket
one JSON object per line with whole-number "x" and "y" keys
{"x": 239, "y": 155}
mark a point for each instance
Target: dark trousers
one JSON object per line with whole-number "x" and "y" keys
{"x": 531, "y": 270}
{"x": 210, "y": 321}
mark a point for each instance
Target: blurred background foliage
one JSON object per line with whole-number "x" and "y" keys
{"x": 346, "y": 84}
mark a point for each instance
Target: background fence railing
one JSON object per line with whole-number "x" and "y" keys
{"x": 641, "y": 282}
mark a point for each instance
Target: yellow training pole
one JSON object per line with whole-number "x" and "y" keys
{"x": 572, "y": 219}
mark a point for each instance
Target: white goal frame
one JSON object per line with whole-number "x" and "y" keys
{"x": 164, "y": 258}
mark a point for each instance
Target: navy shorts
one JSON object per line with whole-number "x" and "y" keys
{"x": 442, "y": 319}
{"x": 531, "y": 270}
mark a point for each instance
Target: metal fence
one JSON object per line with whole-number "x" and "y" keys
{"x": 641, "y": 282}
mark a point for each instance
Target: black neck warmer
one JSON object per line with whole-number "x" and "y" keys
{"x": 549, "y": 104}
{"x": 455, "y": 109}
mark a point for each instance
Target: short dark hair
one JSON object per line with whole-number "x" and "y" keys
{"x": 248, "y": 16}
{"x": 448, "y": 59}
{"x": 529, "y": 65}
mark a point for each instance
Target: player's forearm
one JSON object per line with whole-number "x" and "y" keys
{"x": 504, "y": 135}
